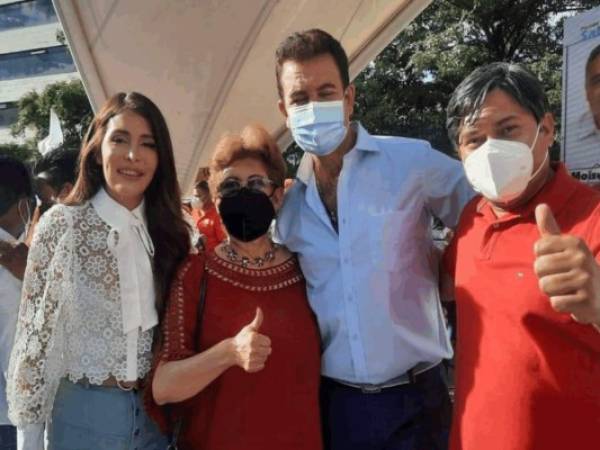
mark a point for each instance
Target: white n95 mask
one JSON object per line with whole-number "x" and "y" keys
{"x": 318, "y": 127}
{"x": 500, "y": 170}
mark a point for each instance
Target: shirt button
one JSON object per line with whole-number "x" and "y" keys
{"x": 496, "y": 225}
{"x": 355, "y": 337}
{"x": 136, "y": 432}
{"x": 346, "y": 260}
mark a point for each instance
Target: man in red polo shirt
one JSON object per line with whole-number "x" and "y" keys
{"x": 527, "y": 280}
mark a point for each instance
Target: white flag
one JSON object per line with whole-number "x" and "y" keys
{"x": 55, "y": 137}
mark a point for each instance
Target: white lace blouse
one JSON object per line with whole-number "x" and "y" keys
{"x": 87, "y": 308}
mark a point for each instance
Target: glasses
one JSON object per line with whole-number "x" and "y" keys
{"x": 232, "y": 186}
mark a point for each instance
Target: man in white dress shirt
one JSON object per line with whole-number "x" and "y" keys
{"x": 15, "y": 204}
{"x": 359, "y": 217}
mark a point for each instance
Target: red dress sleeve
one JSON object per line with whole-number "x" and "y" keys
{"x": 178, "y": 331}
{"x": 179, "y": 322}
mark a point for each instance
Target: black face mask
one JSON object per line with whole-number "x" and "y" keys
{"x": 247, "y": 215}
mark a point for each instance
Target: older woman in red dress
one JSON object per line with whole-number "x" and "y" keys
{"x": 249, "y": 378}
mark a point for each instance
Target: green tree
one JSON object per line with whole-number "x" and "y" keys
{"x": 24, "y": 153}
{"x": 71, "y": 104}
{"x": 405, "y": 90}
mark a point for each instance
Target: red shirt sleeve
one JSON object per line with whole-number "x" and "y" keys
{"x": 178, "y": 332}
{"x": 591, "y": 337}
{"x": 179, "y": 322}
{"x": 593, "y": 240}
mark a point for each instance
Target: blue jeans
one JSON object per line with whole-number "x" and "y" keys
{"x": 8, "y": 437}
{"x": 101, "y": 418}
{"x": 413, "y": 416}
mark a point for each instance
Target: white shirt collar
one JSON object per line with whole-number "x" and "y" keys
{"x": 120, "y": 218}
{"x": 115, "y": 214}
{"x": 132, "y": 246}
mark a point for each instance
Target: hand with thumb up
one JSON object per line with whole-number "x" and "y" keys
{"x": 251, "y": 349}
{"x": 566, "y": 270}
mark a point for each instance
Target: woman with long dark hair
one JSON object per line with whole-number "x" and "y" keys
{"x": 98, "y": 270}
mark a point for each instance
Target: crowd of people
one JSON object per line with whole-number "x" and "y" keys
{"x": 307, "y": 314}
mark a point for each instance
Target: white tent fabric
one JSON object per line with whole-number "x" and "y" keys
{"x": 209, "y": 64}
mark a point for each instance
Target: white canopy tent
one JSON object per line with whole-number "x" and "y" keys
{"x": 209, "y": 64}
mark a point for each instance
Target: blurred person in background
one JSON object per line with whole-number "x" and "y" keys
{"x": 15, "y": 216}
{"x": 207, "y": 217}
{"x": 53, "y": 177}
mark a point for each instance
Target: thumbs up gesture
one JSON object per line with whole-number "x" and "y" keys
{"x": 566, "y": 270}
{"x": 251, "y": 348}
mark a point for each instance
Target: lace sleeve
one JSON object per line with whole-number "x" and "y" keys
{"x": 35, "y": 364}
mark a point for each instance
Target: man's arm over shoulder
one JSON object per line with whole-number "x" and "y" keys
{"x": 446, "y": 186}
{"x": 287, "y": 217}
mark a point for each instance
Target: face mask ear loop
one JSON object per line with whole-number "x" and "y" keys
{"x": 534, "y": 174}
{"x": 23, "y": 219}
{"x": 537, "y": 134}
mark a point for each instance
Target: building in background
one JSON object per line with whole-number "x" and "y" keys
{"x": 581, "y": 96}
{"x": 31, "y": 55}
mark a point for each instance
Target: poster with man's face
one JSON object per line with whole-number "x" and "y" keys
{"x": 581, "y": 96}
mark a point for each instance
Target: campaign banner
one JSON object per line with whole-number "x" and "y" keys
{"x": 581, "y": 96}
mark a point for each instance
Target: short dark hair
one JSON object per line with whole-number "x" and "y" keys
{"x": 15, "y": 182}
{"x": 514, "y": 80}
{"x": 595, "y": 53}
{"x": 203, "y": 185}
{"x": 58, "y": 166}
{"x": 305, "y": 45}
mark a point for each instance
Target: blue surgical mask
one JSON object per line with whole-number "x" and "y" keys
{"x": 318, "y": 127}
